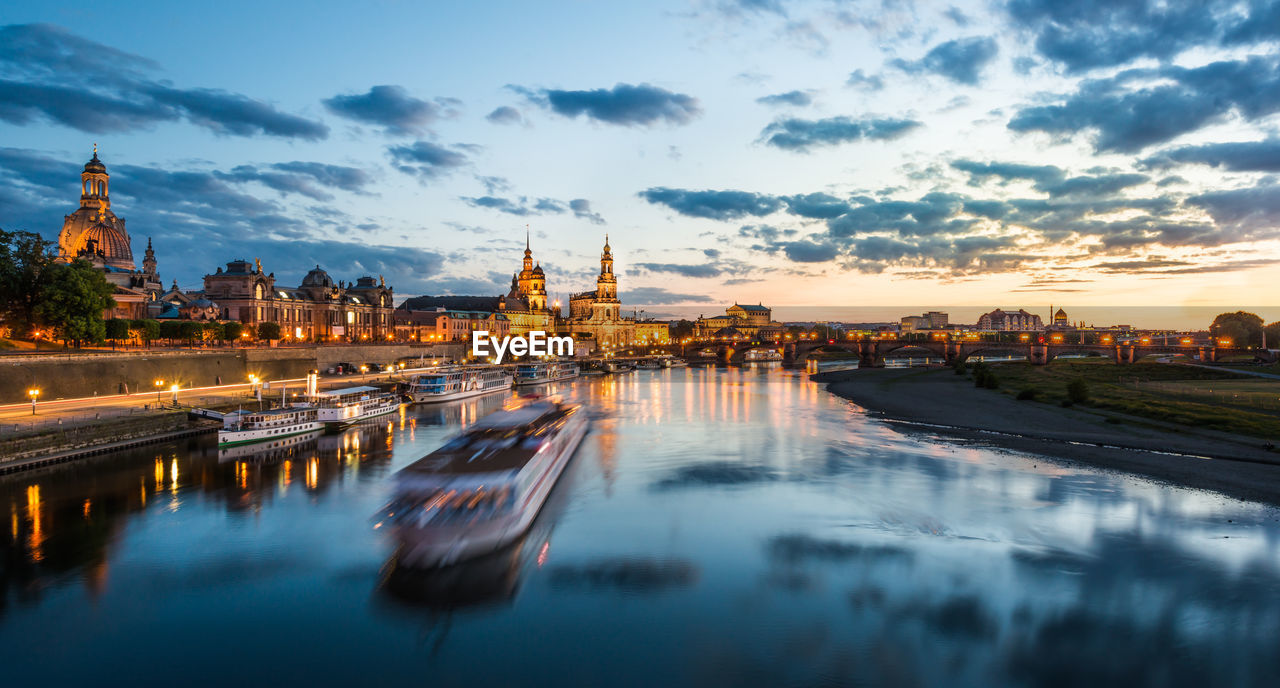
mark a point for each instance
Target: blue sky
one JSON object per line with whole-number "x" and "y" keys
{"x": 797, "y": 153}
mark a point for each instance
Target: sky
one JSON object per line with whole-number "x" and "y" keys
{"x": 827, "y": 154}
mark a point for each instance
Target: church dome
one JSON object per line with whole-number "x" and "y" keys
{"x": 108, "y": 241}
{"x": 95, "y": 165}
{"x": 537, "y": 270}
{"x": 317, "y": 278}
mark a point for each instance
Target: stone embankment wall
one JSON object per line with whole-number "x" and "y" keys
{"x": 73, "y": 375}
{"x": 51, "y": 441}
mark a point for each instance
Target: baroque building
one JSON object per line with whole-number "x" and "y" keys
{"x": 1002, "y": 320}
{"x": 598, "y": 313}
{"x": 525, "y": 306}
{"x": 96, "y": 234}
{"x": 744, "y": 320}
{"x": 317, "y": 310}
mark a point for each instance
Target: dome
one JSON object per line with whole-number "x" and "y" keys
{"x": 203, "y": 303}
{"x": 108, "y": 241}
{"x": 317, "y": 278}
{"x": 537, "y": 270}
{"x": 95, "y": 165}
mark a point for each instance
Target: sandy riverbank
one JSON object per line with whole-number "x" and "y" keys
{"x": 938, "y": 401}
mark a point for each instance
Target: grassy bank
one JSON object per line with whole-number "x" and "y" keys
{"x": 1184, "y": 395}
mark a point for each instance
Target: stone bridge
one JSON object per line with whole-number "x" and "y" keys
{"x": 871, "y": 353}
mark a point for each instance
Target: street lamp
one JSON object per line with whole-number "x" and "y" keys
{"x": 174, "y": 389}
{"x": 159, "y": 384}
{"x": 33, "y": 393}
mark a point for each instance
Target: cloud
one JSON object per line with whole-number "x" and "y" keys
{"x": 1083, "y": 36}
{"x": 651, "y": 296}
{"x": 816, "y": 205}
{"x": 1167, "y": 102}
{"x": 505, "y": 115}
{"x": 1253, "y": 212}
{"x": 48, "y": 74}
{"x": 801, "y": 135}
{"x": 806, "y": 251}
{"x": 524, "y": 206}
{"x": 309, "y": 179}
{"x": 696, "y": 271}
{"x": 1244, "y": 156}
{"x": 861, "y": 80}
{"x": 392, "y": 108}
{"x": 581, "y": 208}
{"x": 961, "y": 60}
{"x": 715, "y": 205}
{"x": 796, "y": 98}
{"x": 623, "y": 105}
{"x": 428, "y": 160}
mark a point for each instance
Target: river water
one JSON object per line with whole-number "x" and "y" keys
{"x": 717, "y": 527}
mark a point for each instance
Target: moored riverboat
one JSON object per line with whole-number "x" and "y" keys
{"x": 457, "y": 382}
{"x": 545, "y": 371}
{"x": 249, "y": 427}
{"x": 483, "y": 488}
{"x": 339, "y": 407}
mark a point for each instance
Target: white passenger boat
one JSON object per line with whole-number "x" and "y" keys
{"x": 247, "y": 427}
{"x": 340, "y": 407}
{"x": 671, "y": 362}
{"x": 457, "y": 382}
{"x": 484, "y": 487}
{"x": 543, "y": 372}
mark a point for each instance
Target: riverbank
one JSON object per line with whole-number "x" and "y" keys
{"x": 937, "y": 401}
{"x": 24, "y": 451}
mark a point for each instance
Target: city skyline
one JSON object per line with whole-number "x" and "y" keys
{"x": 807, "y": 155}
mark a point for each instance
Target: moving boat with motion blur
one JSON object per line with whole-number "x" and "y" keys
{"x": 545, "y": 371}
{"x": 457, "y": 382}
{"x": 483, "y": 488}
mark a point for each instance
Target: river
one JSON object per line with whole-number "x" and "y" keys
{"x": 717, "y": 527}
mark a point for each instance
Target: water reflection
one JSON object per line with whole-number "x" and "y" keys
{"x": 718, "y": 526}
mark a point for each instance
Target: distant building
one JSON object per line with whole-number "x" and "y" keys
{"x": 446, "y": 325}
{"x": 932, "y": 320}
{"x": 745, "y": 320}
{"x": 653, "y": 332}
{"x": 1002, "y": 320}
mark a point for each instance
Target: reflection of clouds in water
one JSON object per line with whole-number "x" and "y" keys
{"x": 723, "y": 473}
{"x": 626, "y": 574}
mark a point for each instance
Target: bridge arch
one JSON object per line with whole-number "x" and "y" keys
{"x": 987, "y": 348}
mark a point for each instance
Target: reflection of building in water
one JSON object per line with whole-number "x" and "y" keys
{"x": 605, "y": 431}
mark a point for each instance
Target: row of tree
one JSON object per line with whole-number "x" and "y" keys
{"x": 1246, "y": 329}
{"x": 40, "y": 294}
{"x": 189, "y": 332}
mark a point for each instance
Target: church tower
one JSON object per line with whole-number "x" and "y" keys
{"x": 149, "y": 262}
{"x": 606, "y": 283}
{"x": 93, "y": 231}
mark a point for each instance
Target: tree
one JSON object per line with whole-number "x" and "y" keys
{"x": 268, "y": 331}
{"x": 681, "y": 329}
{"x": 171, "y": 330}
{"x": 146, "y": 330}
{"x": 1273, "y": 335}
{"x": 1243, "y": 329}
{"x": 214, "y": 331}
{"x": 73, "y": 302}
{"x": 191, "y": 331}
{"x": 117, "y": 329}
{"x": 26, "y": 270}
{"x": 232, "y": 331}
{"x": 1078, "y": 391}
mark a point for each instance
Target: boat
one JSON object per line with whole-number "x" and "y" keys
{"x": 483, "y": 488}
{"x": 339, "y": 407}
{"x": 290, "y": 446}
{"x": 648, "y": 364}
{"x": 617, "y": 367}
{"x": 669, "y": 362}
{"x": 249, "y": 427}
{"x": 762, "y": 356}
{"x": 457, "y": 382}
{"x": 543, "y": 372}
